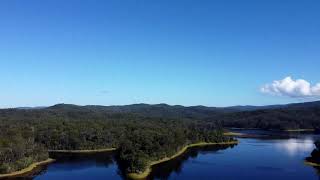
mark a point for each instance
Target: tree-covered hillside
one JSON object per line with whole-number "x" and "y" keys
{"x": 290, "y": 116}
{"x": 298, "y": 116}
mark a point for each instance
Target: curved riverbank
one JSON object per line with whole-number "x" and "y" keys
{"x": 30, "y": 168}
{"x": 83, "y": 151}
{"x": 148, "y": 170}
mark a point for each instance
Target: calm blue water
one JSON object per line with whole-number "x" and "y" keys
{"x": 251, "y": 159}
{"x": 91, "y": 166}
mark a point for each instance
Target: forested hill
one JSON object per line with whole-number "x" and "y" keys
{"x": 293, "y": 116}
{"x": 178, "y": 110}
{"x": 290, "y": 116}
{"x": 146, "y": 110}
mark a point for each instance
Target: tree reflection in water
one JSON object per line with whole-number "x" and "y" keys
{"x": 74, "y": 161}
{"x": 98, "y": 159}
{"x": 315, "y": 158}
{"x": 164, "y": 170}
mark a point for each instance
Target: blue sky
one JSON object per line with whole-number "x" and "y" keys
{"x": 188, "y": 52}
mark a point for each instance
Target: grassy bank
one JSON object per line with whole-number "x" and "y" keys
{"x": 83, "y": 151}
{"x": 144, "y": 174}
{"x": 27, "y": 169}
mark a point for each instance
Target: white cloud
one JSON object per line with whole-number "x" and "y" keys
{"x": 292, "y": 88}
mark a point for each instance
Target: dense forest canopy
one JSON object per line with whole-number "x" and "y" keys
{"x": 141, "y": 132}
{"x": 291, "y": 116}
{"x": 27, "y": 135}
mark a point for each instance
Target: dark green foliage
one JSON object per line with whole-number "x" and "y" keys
{"x": 282, "y": 118}
{"x": 139, "y": 139}
{"x": 18, "y": 148}
{"x": 154, "y": 140}
{"x": 317, "y": 144}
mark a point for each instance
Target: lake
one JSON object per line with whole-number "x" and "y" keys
{"x": 250, "y": 159}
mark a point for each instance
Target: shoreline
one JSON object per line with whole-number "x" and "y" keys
{"x": 281, "y": 130}
{"x": 30, "y": 168}
{"x": 230, "y": 133}
{"x": 299, "y": 130}
{"x": 148, "y": 170}
{"x": 83, "y": 151}
{"x": 311, "y": 163}
{"x": 255, "y": 135}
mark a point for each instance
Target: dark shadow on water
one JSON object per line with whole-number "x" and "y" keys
{"x": 164, "y": 170}
{"x": 68, "y": 161}
{"x": 71, "y": 161}
{"x": 101, "y": 159}
{"x": 317, "y": 170}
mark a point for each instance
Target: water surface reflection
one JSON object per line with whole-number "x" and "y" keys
{"x": 164, "y": 170}
{"x": 251, "y": 159}
{"x": 295, "y": 146}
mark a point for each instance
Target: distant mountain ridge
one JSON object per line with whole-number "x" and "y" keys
{"x": 289, "y": 116}
{"x": 143, "y": 106}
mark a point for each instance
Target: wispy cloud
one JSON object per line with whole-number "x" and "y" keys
{"x": 104, "y": 92}
{"x": 289, "y": 87}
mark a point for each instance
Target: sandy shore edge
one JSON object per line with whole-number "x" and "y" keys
{"x": 311, "y": 163}
{"x": 299, "y": 130}
{"x": 27, "y": 169}
{"x": 230, "y": 133}
{"x": 148, "y": 170}
{"x": 83, "y": 151}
